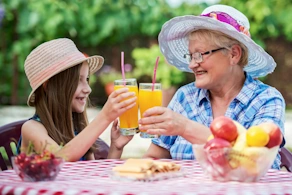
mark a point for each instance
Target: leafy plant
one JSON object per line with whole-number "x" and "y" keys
{"x": 97, "y": 27}
{"x": 166, "y": 74}
{"x": 108, "y": 74}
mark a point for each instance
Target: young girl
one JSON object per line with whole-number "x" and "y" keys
{"x": 59, "y": 74}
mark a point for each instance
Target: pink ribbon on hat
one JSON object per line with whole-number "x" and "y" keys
{"x": 223, "y": 17}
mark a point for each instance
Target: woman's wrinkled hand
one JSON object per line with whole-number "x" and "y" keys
{"x": 163, "y": 121}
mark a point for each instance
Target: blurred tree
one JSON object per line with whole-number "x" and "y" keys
{"x": 167, "y": 75}
{"x": 97, "y": 27}
{"x": 107, "y": 27}
{"x": 271, "y": 27}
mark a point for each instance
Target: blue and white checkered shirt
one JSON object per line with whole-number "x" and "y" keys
{"x": 256, "y": 103}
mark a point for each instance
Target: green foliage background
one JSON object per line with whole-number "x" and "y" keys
{"x": 107, "y": 27}
{"x": 145, "y": 61}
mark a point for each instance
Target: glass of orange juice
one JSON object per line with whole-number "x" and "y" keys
{"x": 129, "y": 119}
{"x": 149, "y": 98}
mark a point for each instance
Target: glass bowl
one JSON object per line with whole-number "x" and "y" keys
{"x": 227, "y": 164}
{"x": 33, "y": 168}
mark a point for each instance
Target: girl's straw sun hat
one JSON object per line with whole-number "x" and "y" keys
{"x": 173, "y": 38}
{"x": 53, "y": 57}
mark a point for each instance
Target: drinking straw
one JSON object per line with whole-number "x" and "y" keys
{"x": 123, "y": 67}
{"x": 154, "y": 73}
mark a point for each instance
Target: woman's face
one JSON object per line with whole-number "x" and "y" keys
{"x": 83, "y": 90}
{"x": 215, "y": 67}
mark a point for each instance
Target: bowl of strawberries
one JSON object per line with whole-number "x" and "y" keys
{"x": 33, "y": 167}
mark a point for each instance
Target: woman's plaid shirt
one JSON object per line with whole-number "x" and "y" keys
{"x": 256, "y": 103}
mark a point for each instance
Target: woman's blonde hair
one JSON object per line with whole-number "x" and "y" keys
{"x": 53, "y": 106}
{"x": 220, "y": 39}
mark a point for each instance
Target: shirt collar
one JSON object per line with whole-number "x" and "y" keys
{"x": 248, "y": 89}
{"x": 244, "y": 95}
{"x": 203, "y": 95}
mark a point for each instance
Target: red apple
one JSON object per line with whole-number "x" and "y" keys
{"x": 215, "y": 151}
{"x": 217, "y": 143}
{"x": 223, "y": 127}
{"x": 274, "y": 132}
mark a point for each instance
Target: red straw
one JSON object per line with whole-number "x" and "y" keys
{"x": 122, "y": 66}
{"x": 154, "y": 73}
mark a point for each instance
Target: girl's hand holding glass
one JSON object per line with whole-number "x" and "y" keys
{"x": 117, "y": 139}
{"x": 117, "y": 105}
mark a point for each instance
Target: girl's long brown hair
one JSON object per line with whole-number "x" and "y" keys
{"x": 53, "y": 105}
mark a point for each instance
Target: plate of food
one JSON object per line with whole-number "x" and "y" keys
{"x": 146, "y": 170}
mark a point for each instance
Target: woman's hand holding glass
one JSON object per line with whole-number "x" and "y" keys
{"x": 163, "y": 121}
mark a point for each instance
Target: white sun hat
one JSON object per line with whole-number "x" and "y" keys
{"x": 173, "y": 38}
{"x": 53, "y": 57}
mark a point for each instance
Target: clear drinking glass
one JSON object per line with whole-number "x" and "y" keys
{"x": 129, "y": 119}
{"x": 149, "y": 98}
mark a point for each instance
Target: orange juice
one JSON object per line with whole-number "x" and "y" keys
{"x": 149, "y": 99}
{"x": 129, "y": 119}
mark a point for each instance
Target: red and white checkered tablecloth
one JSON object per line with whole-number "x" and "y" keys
{"x": 94, "y": 177}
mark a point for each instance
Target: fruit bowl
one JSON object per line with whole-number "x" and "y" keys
{"x": 227, "y": 164}
{"x": 37, "y": 168}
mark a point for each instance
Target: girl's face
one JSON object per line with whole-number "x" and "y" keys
{"x": 213, "y": 70}
{"x": 83, "y": 90}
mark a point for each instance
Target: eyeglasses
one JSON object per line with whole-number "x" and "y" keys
{"x": 198, "y": 57}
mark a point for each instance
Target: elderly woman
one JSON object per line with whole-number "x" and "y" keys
{"x": 216, "y": 47}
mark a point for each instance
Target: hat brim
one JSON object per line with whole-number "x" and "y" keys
{"x": 94, "y": 63}
{"x": 173, "y": 43}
